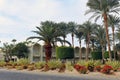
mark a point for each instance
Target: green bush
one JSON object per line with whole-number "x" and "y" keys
{"x": 106, "y": 54}
{"x": 96, "y": 55}
{"x": 39, "y": 65}
{"x": 64, "y": 52}
{"x": 115, "y": 64}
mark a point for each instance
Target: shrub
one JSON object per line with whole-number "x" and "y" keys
{"x": 64, "y": 52}
{"x": 82, "y": 62}
{"x": 96, "y": 55}
{"x": 106, "y": 69}
{"x": 115, "y": 64}
{"x": 31, "y": 67}
{"x": 80, "y": 69}
{"x": 90, "y": 65}
{"x": 106, "y": 54}
{"x": 69, "y": 66}
{"x": 23, "y": 61}
{"x": 54, "y": 64}
{"x": 2, "y": 63}
{"x": 97, "y": 63}
{"x": 39, "y": 65}
{"x": 98, "y": 68}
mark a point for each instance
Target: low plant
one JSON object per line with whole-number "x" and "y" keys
{"x": 90, "y": 65}
{"x": 98, "y": 68}
{"x": 97, "y": 63}
{"x": 31, "y": 67}
{"x": 2, "y": 63}
{"x": 80, "y": 69}
{"x": 39, "y": 65}
{"x": 115, "y": 64}
{"x": 19, "y": 67}
{"x": 106, "y": 69}
{"x": 82, "y": 62}
{"x": 52, "y": 65}
{"x": 23, "y": 62}
{"x": 69, "y": 66}
{"x": 83, "y": 70}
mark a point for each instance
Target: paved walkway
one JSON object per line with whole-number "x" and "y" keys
{"x": 28, "y": 75}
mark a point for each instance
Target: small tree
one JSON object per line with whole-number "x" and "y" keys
{"x": 21, "y": 50}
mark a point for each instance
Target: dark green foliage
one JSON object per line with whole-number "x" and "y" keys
{"x": 106, "y": 54}
{"x": 96, "y": 55}
{"x": 21, "y": 50}
{"x": 64, "y": 52}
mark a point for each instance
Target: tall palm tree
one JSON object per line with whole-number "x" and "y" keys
{"x": 63, "y": 30}
{"x": 113, "y": 22}
{"x": 103, "y": 8}
{"x": 47, "y": 33}
{"x": 117, "y": 35}
{"x": 88, "y": 29}
{"x": 72, "y": 26}
{"x": 100, "y": 36}
{"x": 79, "y": 35}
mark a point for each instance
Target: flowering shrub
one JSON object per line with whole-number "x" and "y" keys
{"x": 98, "y": 68}
{"x": 106, "y": 69}
{"x": 81, "y": 69}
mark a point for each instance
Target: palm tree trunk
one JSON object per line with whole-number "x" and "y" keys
{"x": 113, "y": 42}
{"x": 48, "y": 51}
{"x": 64, "y": 40}
{"x": 80, "y": 50}
{"x": 103, "y": 53}
{"x": 72, "y": 39}
{"x": 107, "y": 35}
{"x": 87, "y": 47}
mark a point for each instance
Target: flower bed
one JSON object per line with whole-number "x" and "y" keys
{"x": 82, "y": 67}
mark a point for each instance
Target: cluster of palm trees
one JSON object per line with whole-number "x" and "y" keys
{"x": 92, "y": 33}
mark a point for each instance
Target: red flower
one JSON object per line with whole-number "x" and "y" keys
{"x": 81, "y": 69}
{"x": 106, "y": 69}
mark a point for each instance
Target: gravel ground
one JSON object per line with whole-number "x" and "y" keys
{"x": 37, "y": 75}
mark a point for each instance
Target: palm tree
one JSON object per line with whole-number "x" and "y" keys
{"x": 103, "y": 8}
{"x": 117, "y": 35}
{"x": 47, "y": 33}
{"x": 114, "y": 22}
{"x": 79, "y": 35}
{"x": 87, "y": 29}
{"x": 63, "y": 30}
{"x": 100, "y": 36}
{"x": 72, "y": 27}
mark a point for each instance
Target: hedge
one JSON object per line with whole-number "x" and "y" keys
{"x": 65, "y": 52}
{"x": 106, "y": 55}
{"x": 96, "y": 55}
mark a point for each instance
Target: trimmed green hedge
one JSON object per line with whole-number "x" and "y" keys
{"x": 106, "y": 54}
{"x": 96, "y": 55}
{"x": 65, "y": 52}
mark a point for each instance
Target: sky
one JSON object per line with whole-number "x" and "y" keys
{"x": 19, "y": 17}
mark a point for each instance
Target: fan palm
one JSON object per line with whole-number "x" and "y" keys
{"x": 103, "y": 8}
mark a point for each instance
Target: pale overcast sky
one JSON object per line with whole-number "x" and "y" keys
{"x": 19, "y": 17}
